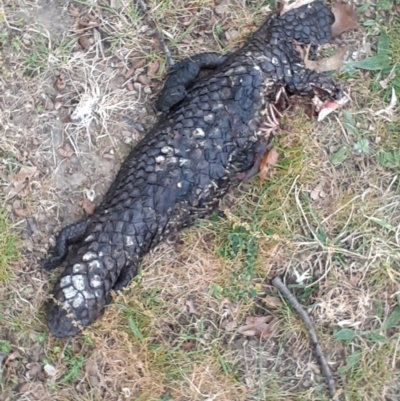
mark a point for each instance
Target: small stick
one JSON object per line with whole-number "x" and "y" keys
{"x": 142, "y": 5}
{"x": 326, "y": 371}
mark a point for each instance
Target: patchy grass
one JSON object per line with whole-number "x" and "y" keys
{"x": 9, "y": 251}
{"x": 327, "y": 219}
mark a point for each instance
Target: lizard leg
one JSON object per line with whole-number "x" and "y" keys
{"x": 128, "y": 272}
{"x": 262, "y": 146}
{"x": 67, "y": 236}
{"x": 182, "y": 75}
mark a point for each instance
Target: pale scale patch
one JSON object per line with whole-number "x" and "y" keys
{"x": 78, "y": 301}
{"x": 65, "y": 281}
{"x": 199, "y": 133}
{"x": 89, "y": 238}
{"x": 78, "y": 268}
{"x": 129, "y": 240}
{"x": 95, "y": 282}
{"x": 167, "y": 150}
{"x": 78, "y": 282}
{"x": 89, "y": 256}
{"x": 95, "y": 264}
{"x": 69, "y": 292}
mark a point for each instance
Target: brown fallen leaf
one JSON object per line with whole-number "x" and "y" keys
{"x": 153, "y": 68}
{"x": 129, "y": 73}
{"x": 188, "y": 345}
{"x": 85, "y": 42}
{"x": 73, "y": 10}
{"x": 21, "y": 212}
{"x": 327, "y": 63}
{"x": 14, "y": 355}
{"x": 143, "y": 79}
{"x": 230, "y": 326}
{"x": 190, "y": 305}
{"x": 345, "y": 18}
{"x": 24, "y": 173}
{"x": 273, "y": 302}
{"x": 137, "y": 61}
{"x": 21, "y": 388}
{"x": 88, "y": 206}
{"x": 65, "y": 151}
{"x": 268, "y": 161}
{"x": 33, "y": 370}
{"x": 60, "y": 82}
{"x": 94, "y": 381}
{"x": 264, "y": 326}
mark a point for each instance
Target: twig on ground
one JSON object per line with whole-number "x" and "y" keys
{"x": 326, "y": 371}
{"x": 142, "y": 5}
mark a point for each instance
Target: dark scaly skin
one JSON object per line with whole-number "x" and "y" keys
{"x": 182, "y": 75}
{"x": 181, "y": 169}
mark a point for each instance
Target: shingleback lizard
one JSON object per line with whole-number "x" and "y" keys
{"x": 206, "y": 141}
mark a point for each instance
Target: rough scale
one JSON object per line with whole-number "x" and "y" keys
{"x": 207, "y": 140}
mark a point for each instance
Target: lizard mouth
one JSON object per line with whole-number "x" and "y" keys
{"x": 325, "y": 107}
{"x": 323, "y": 102}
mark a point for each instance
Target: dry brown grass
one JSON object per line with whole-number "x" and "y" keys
{"x": 331, "y": 228}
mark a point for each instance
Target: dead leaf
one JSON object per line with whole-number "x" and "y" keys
{"x": 385, "y": 82}
{"x": 33, "y": 372}
{"x": 129, "y": 73}
{"x": 389, "y": 110}
{"x": 88, "y": 206}
{"x": 345, "y": 18}
{"x": 325, "y": 64}
{"x": 21, "y": 212}
{"x": 21, "y": 388}
{"x": 137, "y": 62}
{"x": 85, "y": 42}
{"x": 265, "y": 326}
{"x": 65, "y": 151}
{"x": 192, "y": 309}
{"x": 153, "y": 68}
{"x": 24, "y": 173}
{"x": 317, "y": 193}
{"x": 92, "y": 368}
{"x": 143, "y": 79}
{"x": 231, "y": 326}
{"x": 222, "y": 8}
{"x": 73, "y": 10}
{"x": 273, "y": 302}
{"x": 354, "y": 280}
{"x": 268, "y": 161}
{"x": 231, "y": 35}
{"x": 60, "y": 83}
{"x": 188, "y": 345}
{"x": 14, "y": 355}
{"x": 254, "y": 320}
{"x": 94, "y": 381}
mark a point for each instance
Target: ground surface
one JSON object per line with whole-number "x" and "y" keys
{"x": 327, "y": 217}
